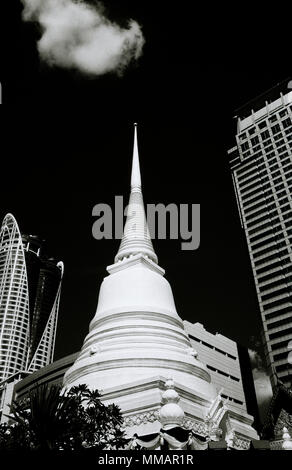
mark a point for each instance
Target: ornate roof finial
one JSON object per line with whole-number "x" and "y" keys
{"x": 170, "y": 414}
{"x": 136, "y": 238}
{"x": 136, "y": 175}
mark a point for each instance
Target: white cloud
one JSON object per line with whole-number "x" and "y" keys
{"x": 78, "y": 35}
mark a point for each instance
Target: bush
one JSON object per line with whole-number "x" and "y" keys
{"x": 53, "y": 420}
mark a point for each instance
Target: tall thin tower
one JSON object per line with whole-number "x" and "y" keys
{"x": 137, "y": 340}
{"x": 261, "y": 165}
{"x": 30, "y": 287}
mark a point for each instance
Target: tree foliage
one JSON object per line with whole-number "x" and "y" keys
{"x": 55, "y": 420}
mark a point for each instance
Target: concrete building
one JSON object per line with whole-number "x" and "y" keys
{"x": 19, "y": 385}
{"x": 229, "y": 367}
{"x": 137, "y": 341}
{"x": 30, "y": 286}
{"x": 261, "y": 165}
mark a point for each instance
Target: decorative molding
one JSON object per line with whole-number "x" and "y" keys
{"x": 236, "y": 441}
{"x": 276, "y": 445}
{"x": 118, "y": 314}
{"x": 240, "y": 443}
{"x": 132, "y": 260}
{"x": 141, "y": 418}
{"x": 94, "y": 349}
{"x": 199, "y": 427}
{"x": 191, "y": 352}
{"x": 89, "y": 367}
{"x": 215, "y": 415}
{"x": 195, "y": 397}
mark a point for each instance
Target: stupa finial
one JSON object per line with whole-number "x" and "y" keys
{"x": 170, "y": 414}
{"x": 136, "y": 238}
{"x": 136, "y": 175}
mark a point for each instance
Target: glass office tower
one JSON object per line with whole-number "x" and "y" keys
{"x": 261, "y": 165}
{"x": 30, "y": 286}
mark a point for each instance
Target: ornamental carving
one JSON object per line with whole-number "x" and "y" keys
{"x": 276, "y": 445}
{"x": 142, "y": 418}
{"x": 284, "y": 420}
{"x": 196, "y": 426}
{"x": 241, "y": 443}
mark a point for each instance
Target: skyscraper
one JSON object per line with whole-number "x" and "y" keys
{"x": 30, "y": 286}
{"x": 261, "y": 165}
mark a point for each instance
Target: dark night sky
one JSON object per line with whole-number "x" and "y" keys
{"x": 67, "y": 145}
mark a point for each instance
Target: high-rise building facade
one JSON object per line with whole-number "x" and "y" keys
{"x": 261, "y": 165}
{"x": 30, "y": 286}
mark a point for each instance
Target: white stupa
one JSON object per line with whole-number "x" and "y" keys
{"x": 136, "y": 341}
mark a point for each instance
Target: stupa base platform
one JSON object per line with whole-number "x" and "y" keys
{"x": 140, "y": 404}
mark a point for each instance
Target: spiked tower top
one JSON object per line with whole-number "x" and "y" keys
{"x": 136, "y": 238}
{"x": 136, "y": 175}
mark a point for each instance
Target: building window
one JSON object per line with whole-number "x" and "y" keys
{"x": 286, "y": 123}
{"x": 262, "y": 125}
{"x": 244, "y": 146}
{"x": 283, "y": 113}
{"x": 278, "y": 137}
{"x": 265, "y": 135}
{"x": 278, "y": 334}
{"x": 276, "y": 129}
{"x": 255, "y": 140}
